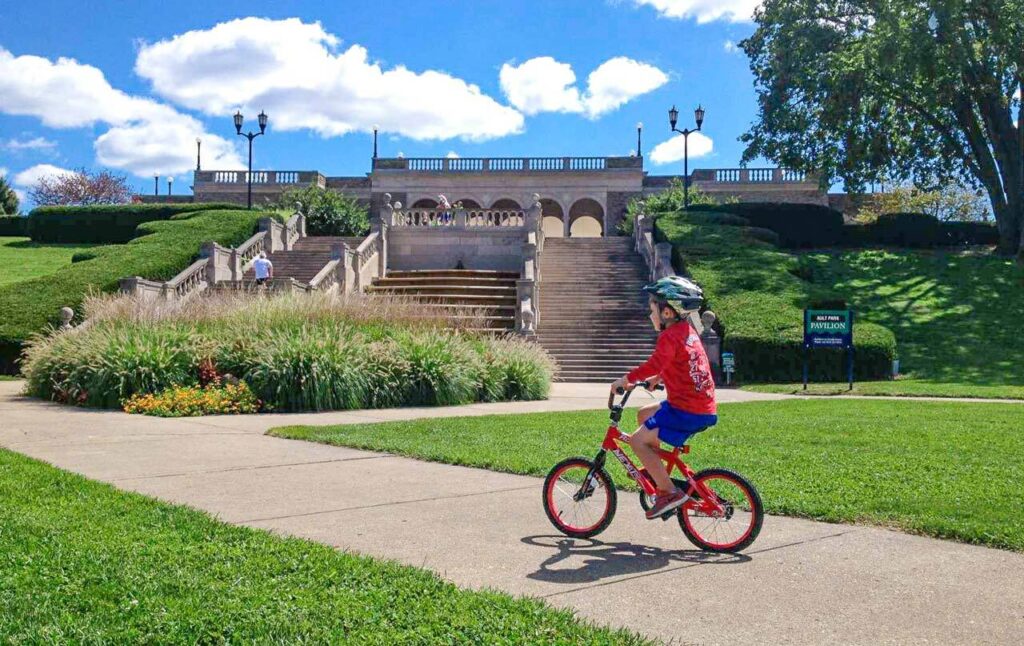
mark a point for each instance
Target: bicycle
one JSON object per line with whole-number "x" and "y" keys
{"x": 724, "y": 512}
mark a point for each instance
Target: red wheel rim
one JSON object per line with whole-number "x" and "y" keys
{"x": 715, "y": 531}
{"x": 576, "y": 517}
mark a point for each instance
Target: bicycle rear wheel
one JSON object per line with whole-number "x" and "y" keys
{"x": 736, "y": 521}
{"x": 579, "y": 498}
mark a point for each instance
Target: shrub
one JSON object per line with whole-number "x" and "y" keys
{"x": 919, "y": 230}
{"x": 711, "y": 217}
{"x": 110, "y": 224}
{"x": 30, "y": 306}
{"x": 798, "y": 225}
{"x": 669, "y": 200}
{"x": 328, "y": 212}
{"x": 759, "y": 299}
{"x": 13, "y": 225}
{"x": 295, "y": 353}
{"x": 191, "y": 401}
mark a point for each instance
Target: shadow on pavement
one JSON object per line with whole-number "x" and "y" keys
{"x": 589, "y": 560}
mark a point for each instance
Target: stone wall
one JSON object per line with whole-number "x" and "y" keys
{"x": 445, "y": 247}
{"x": 617, "y": 203}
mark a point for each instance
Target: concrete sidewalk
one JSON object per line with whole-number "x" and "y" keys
{"x": 801, "y": 582}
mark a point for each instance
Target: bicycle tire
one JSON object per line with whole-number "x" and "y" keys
{"x": 555, "y": 515}
{"x": 756, "y": 510}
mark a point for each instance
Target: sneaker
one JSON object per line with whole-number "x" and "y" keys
{"x": 664, "y": 503}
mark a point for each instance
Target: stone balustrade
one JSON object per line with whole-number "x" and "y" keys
{"x": 261, "y": 177}
{"x": 752, "y": 176}
{"x": 505, "y": 164}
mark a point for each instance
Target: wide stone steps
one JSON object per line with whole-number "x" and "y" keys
{"x": 430, "y": 289}
{"x": 484, "y": 301}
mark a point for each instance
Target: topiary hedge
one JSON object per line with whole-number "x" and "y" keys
{"x": 798, "y": 225}
{"x": 919, "y": 230}
{"x": 13, "y": 225}
{"x": 161, "y": 251}
{"x": 107, "y": 224}
{"x": 755, "y": 290}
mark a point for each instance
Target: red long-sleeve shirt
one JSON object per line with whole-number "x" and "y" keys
{"x": 680, "y": 359}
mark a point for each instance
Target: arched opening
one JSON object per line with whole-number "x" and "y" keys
{"x": 425, "y": 203}
{"x": 468, "y": 204}
{"x": 552, "y": 218}
{"x": 505, "y": 203}
{"x": 586, "y": 219}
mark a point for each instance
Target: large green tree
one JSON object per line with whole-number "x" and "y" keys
{"x": 8, "y": 199}
{"x": 920, "y": 90}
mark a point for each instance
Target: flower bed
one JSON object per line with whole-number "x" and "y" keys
{"x": 294, "y": 353}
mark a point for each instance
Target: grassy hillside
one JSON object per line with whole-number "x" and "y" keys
{"x": 22, "y": 259}
{"x": 758, "y": 295}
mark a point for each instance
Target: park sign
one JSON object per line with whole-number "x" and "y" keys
{"x": 829, "y": 329}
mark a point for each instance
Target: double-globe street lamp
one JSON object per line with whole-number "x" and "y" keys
{"x": 673, "y": 118}
{"x": 239, "y": 119}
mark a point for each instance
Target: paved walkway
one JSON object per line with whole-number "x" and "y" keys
{"x": 801, "y": 582}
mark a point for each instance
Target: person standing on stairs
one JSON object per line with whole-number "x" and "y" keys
{"x": 679, "y": 360}
{"x": 263, "y": 269}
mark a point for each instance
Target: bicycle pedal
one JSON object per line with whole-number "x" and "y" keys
{"x": 669, "y": 514}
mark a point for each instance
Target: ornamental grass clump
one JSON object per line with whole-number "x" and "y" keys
{"x": 294, "y": 353}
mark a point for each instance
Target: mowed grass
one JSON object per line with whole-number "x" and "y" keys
{"x": 957, "y": 315}
{"x": 81, "y": 562}
{"x": 904, "y": 387}
{"x": 22, "y": 259}
{"x": 944, "y": 469}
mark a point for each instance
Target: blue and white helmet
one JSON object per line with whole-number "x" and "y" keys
{"x": 681, "y": 294}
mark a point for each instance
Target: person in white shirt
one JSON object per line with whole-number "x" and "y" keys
{"x": 263, "y": 268}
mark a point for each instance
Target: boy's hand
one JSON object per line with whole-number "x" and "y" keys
{"x": 652, "y": 382}
{"x": 621, "y": 382}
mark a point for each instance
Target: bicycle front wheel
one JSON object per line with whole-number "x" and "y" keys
{"x": 734, "y": 520}
{"x": 579, "y": 498}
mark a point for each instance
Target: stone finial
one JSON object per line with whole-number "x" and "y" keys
{"x": 387, "y": 198}
{"x": 66, "y": 314}
{"x": 707, "y": 319}
{"x": 536, "y": 198}
{"x": 398, "y": 206}
{"x": 298, "y": 207}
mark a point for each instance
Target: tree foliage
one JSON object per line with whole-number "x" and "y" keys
{"x": 669, "y": 200}
{"x": 910, "y": 90}
{"x": 328, "y": 213}
{"x": 81, "y": 188}
{"x": 8, "y": 199}
{"x": 948, "y": 203}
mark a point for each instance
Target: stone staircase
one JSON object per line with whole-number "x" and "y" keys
{"x": 307, "y": 257}
{"x": 593, "y": 315}
{"x": 483, "y": 300}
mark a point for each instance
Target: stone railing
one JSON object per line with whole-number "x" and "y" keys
{"x": 657, "y": 255}
{"x": 456, "y": 217}
{"x": 527, "y": 314}
{"x": 218, "y": 264}
{"x": 752, "y": 176}
{"x": 506, "y": 164}
{"x": 261, "y": 177}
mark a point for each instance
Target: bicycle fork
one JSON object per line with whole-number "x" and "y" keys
{"x": 587, "y": 489}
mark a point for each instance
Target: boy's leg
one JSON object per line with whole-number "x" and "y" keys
{"x": 645, "y": 443}
{"x": 644, "y": 412}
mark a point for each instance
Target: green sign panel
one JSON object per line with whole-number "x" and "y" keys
{"x": 828, "y": 328}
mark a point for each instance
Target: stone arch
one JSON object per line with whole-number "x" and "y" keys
{"x": 424, "y": 203}
{"x": 552, "y": 218}
{"x": 468, "y": 203}
{"x": 586, "y": 218}
{"x": 506, "y": 203}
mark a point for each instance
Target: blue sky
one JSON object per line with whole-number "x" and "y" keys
{"x": 140, "y": 81}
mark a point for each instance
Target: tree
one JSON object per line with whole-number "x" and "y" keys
{"x": 8, "y": 199}
{"x": 948, "y": 203}
{"x": 328, "y": 213}
{"x": 909, "y": 90}
{"x": 81, "y": 188}
{"x": 669, "y": 200}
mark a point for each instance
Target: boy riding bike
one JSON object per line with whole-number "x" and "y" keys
{"x": 680, "y": 362}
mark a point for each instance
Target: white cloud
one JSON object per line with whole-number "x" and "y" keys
{"x": 22, "y": 197}
{"x": 452, "y": 155}
{"x": 30, "y": 176}
{"x": 671, "y": 150}
{"x": 543, "y": 84}
{"x": 731, "y": 47}
{"x": 292, "y": 70}
{"x": 38, "y": 143}
{"x": 705, "y": 10}
{"x": 68, "y": 94}
{"x": 3, "y": 171}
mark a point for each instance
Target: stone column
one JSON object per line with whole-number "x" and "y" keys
{"x": 712, "y": 344}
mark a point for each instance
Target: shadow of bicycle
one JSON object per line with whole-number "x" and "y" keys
{"x": 585, "y": 560}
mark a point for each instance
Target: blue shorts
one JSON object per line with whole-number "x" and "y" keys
{"x": 676, "y": 426}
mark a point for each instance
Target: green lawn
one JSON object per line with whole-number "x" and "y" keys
{"x": 899, "y": 388}
{"x": 945, "y": 469}
{"x": 81, "y": 562}
{"x": 22, "y": 259}
{"x": 957, "y": 315}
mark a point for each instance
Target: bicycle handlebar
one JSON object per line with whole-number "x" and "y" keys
{"x": 627, "y": 392}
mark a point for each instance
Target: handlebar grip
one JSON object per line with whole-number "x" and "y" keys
{"x": 620, "y": 390}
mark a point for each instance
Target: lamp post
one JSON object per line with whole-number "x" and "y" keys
{"x": 262, "y": 118}
{"x": 673, "y": 118}
{"x": 156, "y": 186}
{"x": 375, "y": 128}
{"x": 170, "y": 184}
{"x": 199, "y": 147}
{"x": 639, "y": 127}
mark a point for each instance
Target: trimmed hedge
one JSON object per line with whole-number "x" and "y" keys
{"x": 13, "y": 225}
{"x": 798, "y": 225}
{"x": 161, "y": 251}
{"x": 107, "y": 224}
{"x": 919, "y": 230}
{"x": 755, "y": 290}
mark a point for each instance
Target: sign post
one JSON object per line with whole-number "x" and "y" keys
{"x": 728, "y": 366}
{"x": 828, "y": 329}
